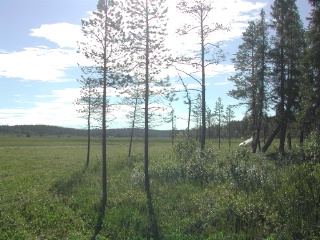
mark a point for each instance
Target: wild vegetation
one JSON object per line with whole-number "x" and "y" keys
{"x": 190, "y": 186}
{"x": 215, "y": 194}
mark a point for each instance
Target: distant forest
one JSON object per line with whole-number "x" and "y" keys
{"x": 238, "y": 129}
{"x": 47, "y": 130}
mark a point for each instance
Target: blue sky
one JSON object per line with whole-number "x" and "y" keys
{"x": 39, "y": 59}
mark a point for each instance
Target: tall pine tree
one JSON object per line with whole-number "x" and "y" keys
{"x": 147, "y": 30}
{"x": 103, "y": 47}
{"x": 288, "y": 44}
{"x": 251, "y": 77}
{"x": 219, "y": 116}
{"x": 207, "y": 52}
{"x": 310, "y": 87}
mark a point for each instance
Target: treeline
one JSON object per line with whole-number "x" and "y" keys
{"x": 47, "y": 130}
{"x": 41, "y": 130}
{"x": 239, "y": 129}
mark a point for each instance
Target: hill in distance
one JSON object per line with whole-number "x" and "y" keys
{"x": 48, "y": 130}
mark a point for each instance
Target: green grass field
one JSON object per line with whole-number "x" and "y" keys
{"x": 227, "y": 194}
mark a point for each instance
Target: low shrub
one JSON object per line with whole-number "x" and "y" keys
{"x": 298, "y": 203}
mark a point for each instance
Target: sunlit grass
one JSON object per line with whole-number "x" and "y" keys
{"x": 220, "y": 194}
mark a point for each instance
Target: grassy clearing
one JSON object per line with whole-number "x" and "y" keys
{"x": 227, "y": 194}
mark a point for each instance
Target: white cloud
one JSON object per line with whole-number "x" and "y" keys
{"x": 43, "y": 113}
{"x": 64, "y": 34}
{"x": 54, "y": 109}
{"x": 58, "y": 108}
{"x": 233, "y": 13}
{"x": 37, "y": 63}
{"x": 42, "y": 63}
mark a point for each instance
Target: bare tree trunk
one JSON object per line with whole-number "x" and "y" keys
{"x": 89, "y": 138}
{"x": 146, "y": 116}
{"x": 172, "y": 127}
{"x": 104, "y": 122}
{"x": 132, "y": 126}
{"x": 189, "y": 118}
{"x": 283, "y": 126}
{"x": 301, "y": 137}
{"x": 203, "y": 89}
{"x": 219, "y": 132}
{"x": 289, "y": 140}
{"x": 229, "y": 132}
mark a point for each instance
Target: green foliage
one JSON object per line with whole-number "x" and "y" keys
{"x": 312, "y": 146}
{"x": 195, "y": 164}
{"x": 298, "y": 200}
{"x": 44, "y": 193}
{"x": 184, "y": 148}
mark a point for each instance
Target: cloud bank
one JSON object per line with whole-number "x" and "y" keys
{"x": 44, "y": 63}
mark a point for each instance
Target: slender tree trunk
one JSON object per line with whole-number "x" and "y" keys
{"x": 282, "y": 95}
{"x": 262, "y": 84}
{"x": 104, "y": 121}
{"x": 89, "y": 136}
{"x": 132, "y": 126}
{"x": 131, "y": 137}
{"x": 261, "y": 93}
{"x": 146, "y": 116}
{"x": 289, "y": 140}
{"x": 257, "y": 140}
{"x": 189, "y": 117}
{"x": 104, "y": 142}
{"x": 283, "y": 131}
{"x": 301, "y": 136}
{"x": 229, "y": 131}
{"x": 219, "y": 132}
{"x": 203, "y": 89}
{"x": 172, "y": 127}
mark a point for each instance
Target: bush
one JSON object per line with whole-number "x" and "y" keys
{"x": 249, "y": 172}
{"x": 308, "y": 152}
{"x": 196, "y": 165}
{"x": 184, "y": 148}
{"x": 298, "y": 203}
{"x": 197, "y": 168}
{"x": 312, "y": 147}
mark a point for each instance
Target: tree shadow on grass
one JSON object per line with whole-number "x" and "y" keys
{"x": 152, "y": 231}
{"x": 100, "y": 218}
{"x": 65, "y": 186}
{"x": 152, "y": 218}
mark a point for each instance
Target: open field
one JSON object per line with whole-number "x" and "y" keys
{"x": 44, "y": 193}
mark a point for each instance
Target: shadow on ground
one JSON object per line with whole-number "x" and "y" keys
{"x": 100, "y": 218}
{"x": 152, "y": 218}
{"x": 65, "y": 186}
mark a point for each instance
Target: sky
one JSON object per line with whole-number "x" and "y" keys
{"x": 39, "y": 59}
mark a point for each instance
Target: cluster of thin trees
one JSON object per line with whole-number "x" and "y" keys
{"x": 125, "y": 40}
{"x": 217, "y": 119}
{"x": 280, "y": 72}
